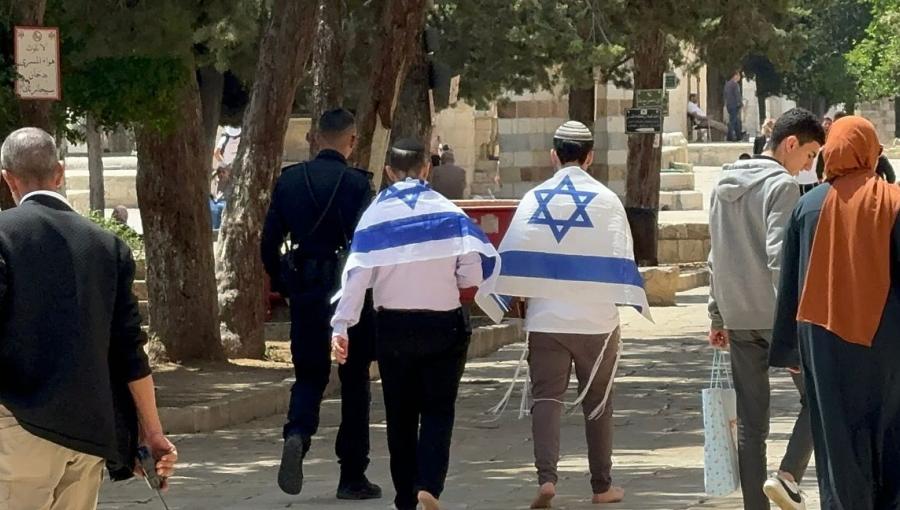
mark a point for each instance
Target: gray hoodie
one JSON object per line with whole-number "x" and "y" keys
{"x": 750, "y": 210}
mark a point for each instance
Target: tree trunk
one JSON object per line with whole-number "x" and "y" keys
{"x": 285, "y": 49}
{"x": 31, "y": 113}
{"x": 761, "y": 106}
{"x": 172, "y": 187}
{"x": 402, "y": 25}
{"x": 581, "y": 105}
{"x": 642, "y": 187}
{"x": 327, "y": 65}
{"x": 715, "y": 97}
{"x": 212, "y": 84}
{"x": 95, "y": 165}
{"x": 413, "y": 115}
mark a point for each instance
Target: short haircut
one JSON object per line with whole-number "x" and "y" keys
{"x": 335, "y": 122}
{"x": 840, "y": 115}
{"x": 30, "y": 154}
{"x": 447, "y": 158}
{"x": 800, "y": 123}
{"x": 692, "y": 96}
{"x": 570, "y": 151}
{"x": 408, "y": 156}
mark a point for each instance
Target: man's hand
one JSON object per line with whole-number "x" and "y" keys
{"x": 340, "y": 347}
{"x": 165, "y": 454}
{"x": 718, "y": 338}
{"x": 795, "y": 371}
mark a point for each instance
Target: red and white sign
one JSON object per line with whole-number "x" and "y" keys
{"x": 36, "y": 51}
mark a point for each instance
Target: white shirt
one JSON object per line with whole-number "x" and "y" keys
{"x": 574, "y": 317}
{"x": 428, "y": 285}
{"x": 47, "y": 193}
{"x": 695, "y": 110}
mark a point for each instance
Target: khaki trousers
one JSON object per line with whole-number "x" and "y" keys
{"x": 36, "y": 474}
{"x": 550, "y": 360}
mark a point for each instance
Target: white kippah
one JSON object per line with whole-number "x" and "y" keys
{"x": 575, "y": 131}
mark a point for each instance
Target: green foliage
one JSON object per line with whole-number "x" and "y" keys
{"x": 821, "y": 74}
{"x": 134, "y": 240}
{"x": 875, "y": 61}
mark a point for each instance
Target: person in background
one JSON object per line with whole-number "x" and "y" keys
{"x": 839, "y": 319}
{"x": 76, "y": 388}
{"x": 448, "y": 179}
{"x": 318, "y": 203}
{"x": 750, "y": 209}
{"x": 220, "y": 189}
{"x": 699, "y": 116}
{"x": 759, "y": 143}
{"x": 734, "y": 103}
{"x": 120, "y": 214}
{"x": 400, "y": 252}
{"x": 227, "y": 146}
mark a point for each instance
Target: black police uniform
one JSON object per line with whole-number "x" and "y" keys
{"x": 310, "y": 279}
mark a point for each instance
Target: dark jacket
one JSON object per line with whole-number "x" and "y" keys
{"x": 733, "y": 97}
{"x": 70, "y": 330}
{"x": 449, "y": 180}
{"x": 295, "y": 209}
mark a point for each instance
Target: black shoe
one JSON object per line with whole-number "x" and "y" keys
{"x": 290, "y": 474}
{"x": 363, "y": 489}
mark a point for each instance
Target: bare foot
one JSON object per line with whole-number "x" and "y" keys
{"x": 613, "y": 495}
{"x": 428, "y": 501}
{"x": 545, "y": 496}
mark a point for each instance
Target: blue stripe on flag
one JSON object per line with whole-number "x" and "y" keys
{"x": 414, "y": 230}
{"x": 581, "y": 268}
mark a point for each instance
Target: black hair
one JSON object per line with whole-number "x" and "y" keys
{"x": 408, "y": 156}
{"x": 569, "y": 151}
{"x": 840, "y": 115}
{"x": 884, "y": 169}
{"x": 800, "y": 123}
{"x": 335, "y": 122}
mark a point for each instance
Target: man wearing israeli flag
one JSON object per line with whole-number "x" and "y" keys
{"x": 416, "y": 250}
{"x": 569, "y": 252}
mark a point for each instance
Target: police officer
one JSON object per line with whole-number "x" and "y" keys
{"x": 318, "y": 203}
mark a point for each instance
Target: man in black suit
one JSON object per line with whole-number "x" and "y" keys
{"x": 318, "y": 204}
{"x": 74, "y": 378}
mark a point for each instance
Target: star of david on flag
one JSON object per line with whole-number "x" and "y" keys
{"x": 560, "y": 227}
{"x": 409, "y": 196}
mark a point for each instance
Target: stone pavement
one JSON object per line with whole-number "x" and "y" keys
{"x": 658, "y": 443}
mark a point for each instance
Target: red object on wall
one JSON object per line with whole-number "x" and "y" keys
{"x": 494, "y": 218}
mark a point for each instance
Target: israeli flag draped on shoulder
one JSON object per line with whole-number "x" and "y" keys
{"x": 570, "y": 241}
{"x": 410, "y": 222}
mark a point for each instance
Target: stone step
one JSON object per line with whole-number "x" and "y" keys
{"x": 676, "y": 181}
{"x": 717, "y": 154}
{"x": 680, "y": 201}
{"x": 118, "y": 185}
{"x": 690, "y": 279}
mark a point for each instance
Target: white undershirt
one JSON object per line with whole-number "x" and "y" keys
{"x": 552, "y": 316}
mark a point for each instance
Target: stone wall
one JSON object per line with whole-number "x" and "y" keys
{"x": 883, "y": 114}
{"x": 683, "y": 243}
{"x": 526, "y": 124}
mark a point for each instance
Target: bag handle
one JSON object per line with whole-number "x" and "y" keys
{"x": 720, "y": 375}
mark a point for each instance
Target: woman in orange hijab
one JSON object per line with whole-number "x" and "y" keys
{"x": 838, "y": 317}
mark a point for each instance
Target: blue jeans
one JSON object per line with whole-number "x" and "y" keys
{"x": 216, "y": 208}
{"x": 735, "y": 129}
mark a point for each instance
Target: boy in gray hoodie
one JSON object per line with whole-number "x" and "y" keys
{"x": 751, "y": 206}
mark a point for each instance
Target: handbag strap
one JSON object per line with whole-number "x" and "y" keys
{"x": 720, "y": 375}
{"x": 324, "y": 213}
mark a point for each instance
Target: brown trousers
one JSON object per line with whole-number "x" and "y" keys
{"x": 36, "y": 474}
{"x": 550, "y": 359}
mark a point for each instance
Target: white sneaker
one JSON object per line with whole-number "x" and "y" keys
{"x": 784, "y": 493}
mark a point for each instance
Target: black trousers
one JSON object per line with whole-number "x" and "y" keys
{"x": 421, "y": 356}
{"x": 311, "y": 313}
